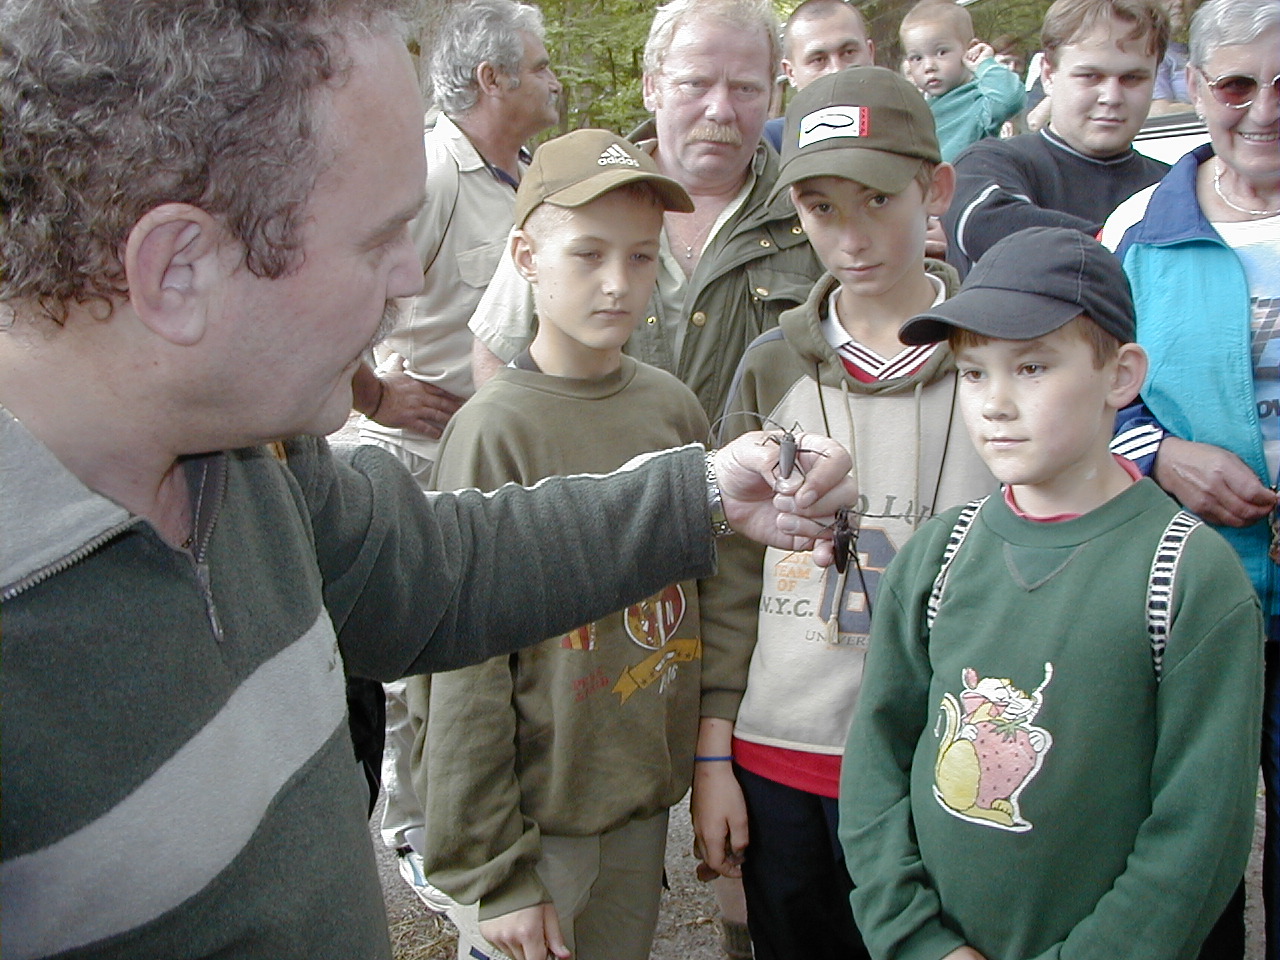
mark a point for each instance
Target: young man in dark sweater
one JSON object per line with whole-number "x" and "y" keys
{"x": 1099, "y": 68}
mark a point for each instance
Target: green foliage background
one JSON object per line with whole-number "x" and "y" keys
{"x": 597, "y": 47}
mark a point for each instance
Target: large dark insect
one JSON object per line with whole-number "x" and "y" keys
{"x": 844, "y": 544}
{"x": 788, "y": 443}
{"x": 844, "y": 537}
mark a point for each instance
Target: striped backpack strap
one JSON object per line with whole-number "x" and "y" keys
{"x": 958, "y": 533}
{"x": 1164, "y": 570}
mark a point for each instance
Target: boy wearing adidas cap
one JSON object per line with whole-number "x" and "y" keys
{"x": 860, "y": 160}
{"x": 547, "y": 774}
{"x": 1055, "y": 749}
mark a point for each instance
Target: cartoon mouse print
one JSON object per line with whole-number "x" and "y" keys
{"x": 989, "y": 750}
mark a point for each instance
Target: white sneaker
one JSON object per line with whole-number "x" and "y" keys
{"x": 410, "y": 863}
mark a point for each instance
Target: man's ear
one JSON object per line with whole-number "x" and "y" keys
{"x": 1046, "y": 76}
{"x": 649, "y": 87}
{"x": 941, "y": 190}
{"x": 524, "y": 255}
{"x": 488, "y": 79}
{"x": 172, "y": 266}
{"x": 789, "y": 72}
{"x": 1130, "y": 373}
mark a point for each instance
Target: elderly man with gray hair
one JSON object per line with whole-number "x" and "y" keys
{"x": 729, "y": 268}
{"x": 493, "y": 83}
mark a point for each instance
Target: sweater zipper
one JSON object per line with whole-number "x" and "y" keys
{"x": 199, "y": 554}
{"x": 70, "y": 560}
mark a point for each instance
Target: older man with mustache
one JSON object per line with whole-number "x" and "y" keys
{"x": 735, "y": 263}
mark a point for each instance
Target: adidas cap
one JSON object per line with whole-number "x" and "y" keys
{"x": 574, "y": 169}
{"x": 866, "y": 124}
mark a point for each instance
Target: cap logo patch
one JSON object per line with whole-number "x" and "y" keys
{"x": 615, "y": 154}
{"x": 832, "y": 122}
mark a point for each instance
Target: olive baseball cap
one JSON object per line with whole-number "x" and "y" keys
{"x": 1029, "y": 284}
{"x": 574, "y": 169}
{"x": 866, "y": 124}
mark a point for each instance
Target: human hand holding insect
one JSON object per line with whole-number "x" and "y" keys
{"x": 791, "y": 512}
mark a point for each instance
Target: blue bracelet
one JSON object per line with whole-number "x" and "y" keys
{"x": 710, "y": 759}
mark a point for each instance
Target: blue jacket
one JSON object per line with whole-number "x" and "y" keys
{"x": 1192, "y": 300}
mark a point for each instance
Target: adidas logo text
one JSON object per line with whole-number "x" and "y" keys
{"x": 615, "y": 154}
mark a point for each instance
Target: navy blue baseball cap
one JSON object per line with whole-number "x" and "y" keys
{"x": 1029, "y": 284}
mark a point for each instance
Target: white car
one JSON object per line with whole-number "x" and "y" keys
{"x": 1167, "y": 138}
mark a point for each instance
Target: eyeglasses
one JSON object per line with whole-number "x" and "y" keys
{"x": 1237, "y": 90}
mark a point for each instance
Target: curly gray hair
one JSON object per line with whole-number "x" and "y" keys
{"x": 471, "y": 33}
{"x": 747, "y": 15}
{"x": 109, "y": 108}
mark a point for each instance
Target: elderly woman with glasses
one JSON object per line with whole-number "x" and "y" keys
{"x": 1202, "y": 251}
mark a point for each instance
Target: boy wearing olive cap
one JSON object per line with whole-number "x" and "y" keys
{"x": 860, "y": 161}
{"x": 1055, "y": 750}
{"x": 546, "y": 775}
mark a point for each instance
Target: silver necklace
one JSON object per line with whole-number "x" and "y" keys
{"x": 1217, "y": 188}
{"x": 698, "y": 239}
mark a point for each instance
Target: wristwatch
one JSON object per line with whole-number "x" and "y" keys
{"x": 715, "y": 502}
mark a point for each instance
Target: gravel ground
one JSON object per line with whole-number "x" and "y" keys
{"x": 687, "y": 927}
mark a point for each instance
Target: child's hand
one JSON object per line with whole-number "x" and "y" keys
{"x": 716, "y": 806}
{"x": 532, "y": 933}
{"x": 964, "y": 953}
{"x": 719, "y": 815}
{"x": 977, "y": 52}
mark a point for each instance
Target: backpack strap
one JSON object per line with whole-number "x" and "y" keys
{"x": 1164, "y": 570}
{"x": 958, "y": 533}
{"x": 1160, "y": 584}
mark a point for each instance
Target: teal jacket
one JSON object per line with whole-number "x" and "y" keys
{"x": 1192, "y": 301}
{"x": 978, "y": 108}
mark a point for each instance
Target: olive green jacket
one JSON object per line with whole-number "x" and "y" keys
{"x": 755, "y": 267}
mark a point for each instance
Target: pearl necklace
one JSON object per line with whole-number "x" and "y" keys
{"x": 1217, "y": 188}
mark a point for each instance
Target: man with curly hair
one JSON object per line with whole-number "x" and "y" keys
{"x": 205, "y": 219}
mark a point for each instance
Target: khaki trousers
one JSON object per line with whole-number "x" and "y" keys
{"x": 606, "y": 890}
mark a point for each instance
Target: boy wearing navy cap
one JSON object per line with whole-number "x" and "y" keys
{"x": 1055, "y": 748}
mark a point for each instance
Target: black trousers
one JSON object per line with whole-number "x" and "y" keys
{"x": 794, "y": 876}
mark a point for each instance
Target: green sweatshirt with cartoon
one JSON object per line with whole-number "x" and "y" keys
{"x": 1016, "y": 779}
